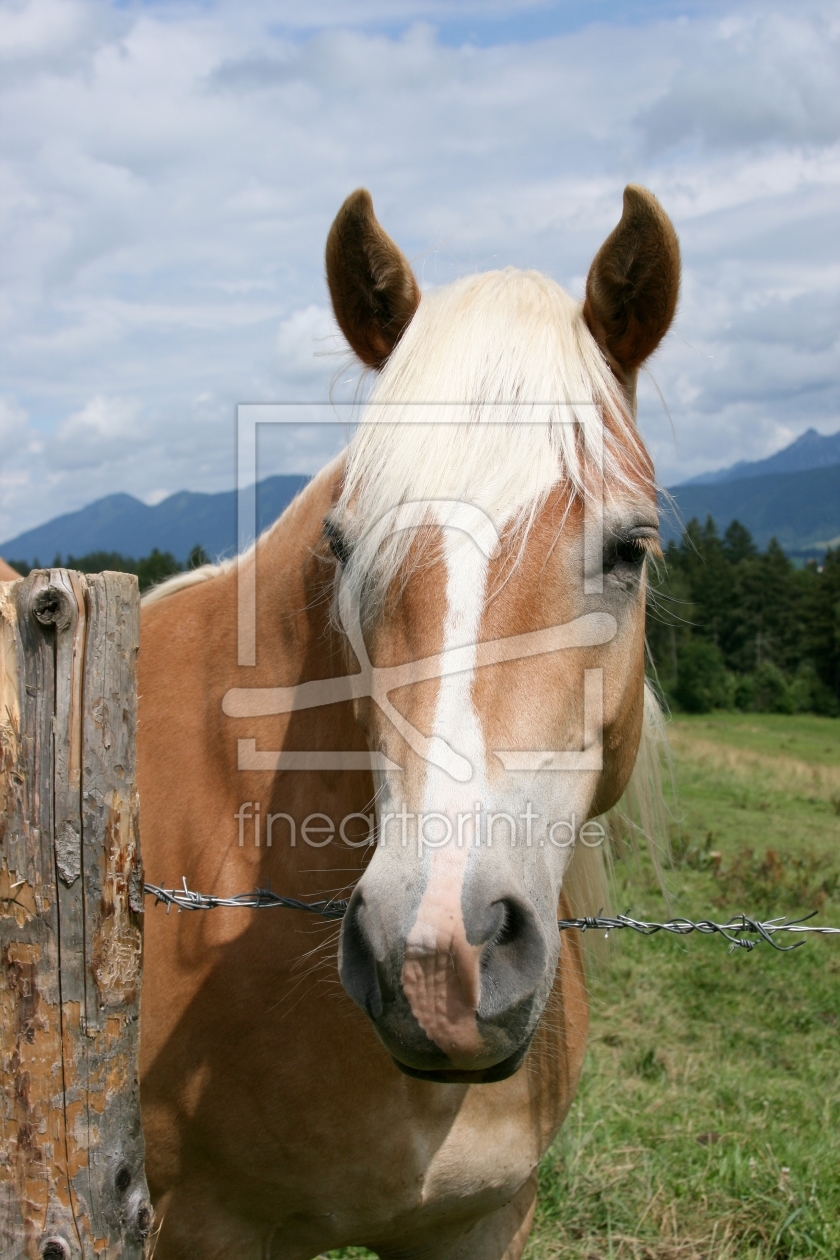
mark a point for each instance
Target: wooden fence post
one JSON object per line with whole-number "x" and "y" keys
{"x": 72, "y": 1183}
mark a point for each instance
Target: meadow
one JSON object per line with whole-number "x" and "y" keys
{"x": 707, "y": 1123}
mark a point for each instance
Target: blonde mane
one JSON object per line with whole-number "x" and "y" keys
{"x": 180, "y": 581}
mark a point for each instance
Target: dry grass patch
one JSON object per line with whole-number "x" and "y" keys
{"x": 780, "y": 770}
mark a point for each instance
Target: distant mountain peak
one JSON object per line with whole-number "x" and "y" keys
{"x": 810, "y": 450}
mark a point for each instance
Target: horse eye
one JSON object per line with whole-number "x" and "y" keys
{"x": 338, "y": 544}
{"x": 628, "y": 550}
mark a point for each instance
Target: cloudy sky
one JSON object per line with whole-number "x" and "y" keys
{"x": 169, "y": 171}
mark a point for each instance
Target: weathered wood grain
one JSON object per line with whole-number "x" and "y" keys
{"x": 71, "y": 1150}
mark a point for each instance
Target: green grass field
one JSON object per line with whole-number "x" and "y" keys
{"x": 707, "y": 1124}
{"x": 708, "y": 1119}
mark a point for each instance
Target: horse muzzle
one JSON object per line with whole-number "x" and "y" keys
{"x": 457, "y": 997}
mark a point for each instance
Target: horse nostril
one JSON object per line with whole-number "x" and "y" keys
{"x": 514, "y": 958}
{"x": 356, "y": 963}
{"x": 498, "y": 924}
{"x": 512, "y": 925}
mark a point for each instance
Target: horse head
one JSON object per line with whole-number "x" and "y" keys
{"x": 496, "y": 512}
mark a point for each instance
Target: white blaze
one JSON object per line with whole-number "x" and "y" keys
{"x": 441, "y": 972}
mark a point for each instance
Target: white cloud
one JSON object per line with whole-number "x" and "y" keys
{"x": 764, "y": 77}
{"x": 305, "y": 337}
{"x": 50, "y": 32}
{"x": 172, "y": 172}
{"x": 102, "y": 431}
{"x": 13, "y": 420}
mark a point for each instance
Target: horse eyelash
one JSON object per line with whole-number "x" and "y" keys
{"x": 650, "y": 545}
{"x": 632, "y": 549}
{"x": 337, "y": 542}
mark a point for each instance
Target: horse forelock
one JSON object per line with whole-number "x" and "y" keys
{"x": 496, "y": 392}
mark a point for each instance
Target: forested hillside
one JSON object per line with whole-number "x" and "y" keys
{"x": 730, "y": 626}
{"x": 150, "y": 570}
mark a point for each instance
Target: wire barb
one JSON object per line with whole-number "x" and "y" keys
{"x": 737, "y": 930}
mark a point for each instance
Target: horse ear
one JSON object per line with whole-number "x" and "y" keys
{"x": 633, "y": 283}
{"x": 373, "y": 290}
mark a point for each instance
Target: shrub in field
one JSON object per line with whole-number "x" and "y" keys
{"x": 776, "y": 882}
{"x": 696, "y": 857}
{"x": 702, "y": 684}
{"x": 810, "y": 694}
{"x": 771, "y": 691}
{"x": 768, "y": 690}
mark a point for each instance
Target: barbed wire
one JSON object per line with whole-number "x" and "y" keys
{"x": 764, "y": 931}
{"x": 260, "y": 899}
{"x": 732, "y": 930}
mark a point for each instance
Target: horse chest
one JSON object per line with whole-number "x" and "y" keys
{"x": 487, "y": 1154}
{"x": 462, "y": 1154}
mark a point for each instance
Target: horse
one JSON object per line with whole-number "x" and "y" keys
{"x": 447, "y": 695}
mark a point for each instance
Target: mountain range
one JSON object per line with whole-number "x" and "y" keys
{"x": 810, "y": 450}
{"x": 801, "y": 510}
{"x": 119, "y": 522}
{"x": 793, "y": 496}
